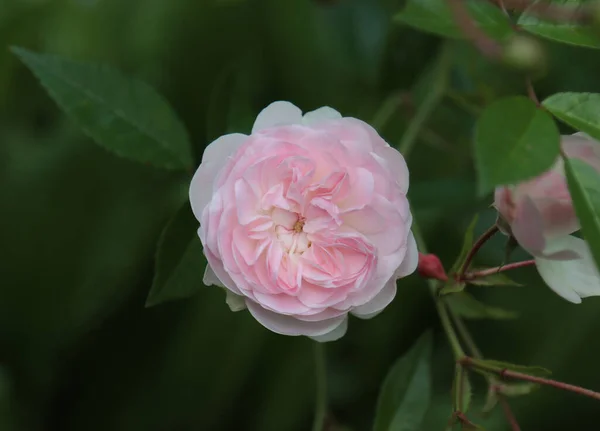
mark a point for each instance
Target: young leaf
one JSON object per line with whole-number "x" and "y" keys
{"x": 466, "y": 246}
{"x": 584, "y": 184}
{"x": 180, "y": 261}
{"x": 514, "y": 141}
{"x": 497, "y": 279}
{"x": 406, "y": 391}
{"x": 579, "y": 110}
{"x": 517, "y": 389}
{"x": 561, "y": 31}
{"x": 452, "y": 287}
{"x": 125, "y": 116}
{"x": 461, "y": 388}
{"x": 435, "y": 16}
{"x": 468, "y": 307}
{"x": 498, "y": 366}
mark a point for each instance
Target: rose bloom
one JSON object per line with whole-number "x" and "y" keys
{"x": 541, "y": 218}
{"x": 305, "y": 220}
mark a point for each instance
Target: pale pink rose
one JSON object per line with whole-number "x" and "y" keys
{"x": 305, "y": 220}
{"x": 541, "y": 217}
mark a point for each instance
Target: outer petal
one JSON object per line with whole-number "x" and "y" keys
{"x": 235, "y": 302}
{"x": 319, "y": 115}
{"x": 528, "y": 228}
{"x": 572, "y": 279}
{"x": 288, "y": 325}
{"x": 210, "y": 278}
{"x": 277, "y": 114}
{"x": 214, "y": 158}
{"x": 377, "y": 304}
{"x": 411, "y": 259}
{"x": 336, "y": 334}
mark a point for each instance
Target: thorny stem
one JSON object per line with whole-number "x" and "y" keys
{"x": 505, "y": 373}
{"x": 491, "y": 271}
{"x": 478, "y": 244}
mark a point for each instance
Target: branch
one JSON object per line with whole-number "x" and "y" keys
{"x": 478, "y": 244}
{"x": 488, "y": 46}
{"x": 505, "y": 373}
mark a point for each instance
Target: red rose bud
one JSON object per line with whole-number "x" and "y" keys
{"x": 431, "y": 267}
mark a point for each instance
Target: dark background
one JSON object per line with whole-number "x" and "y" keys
{"x": 78, "y": 226}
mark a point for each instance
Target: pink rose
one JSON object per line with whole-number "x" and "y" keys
{"x": 541, "y": 218}
{"x": 305, "y": 220}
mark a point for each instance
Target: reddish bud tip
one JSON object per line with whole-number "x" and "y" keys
{"x": 431, "y": 267}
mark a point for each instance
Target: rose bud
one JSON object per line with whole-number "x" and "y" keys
{"x": 541, "y": 217}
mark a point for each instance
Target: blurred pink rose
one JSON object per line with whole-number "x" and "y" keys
{"x": 305, "y": 220}
{"x": 541, "y": 218}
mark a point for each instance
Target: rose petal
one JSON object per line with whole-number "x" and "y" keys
{"x": 288, "y": 325}
{"x": 235, "y": 302}
{"x": 277, "y": 114}
{"x": 214, "y": 158}
{"x": 572, "y": 279}
{"x": 411, "y": 258}
{"x": 320, "y": 115}
{"x": 335, "y": 334}
{"x": 378, "y": 303}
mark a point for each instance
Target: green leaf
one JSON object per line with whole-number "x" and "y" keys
{"x": 462, "y": 390}
{"x": 497, "y": 279}
{"x": 514, "y": 141}
{"x": 498, "y": 366}
{"x": 579, "y": 110}
{"x": 517, "y": 389}
{"x": 125, "y": 116}
{"x": 180, "y": 261}
{"x": 434, "y": 16}
{"x": 406, "y": 391}
{"x": 452, "y": 287}
{"x": 584, "y": 185}
{"x": 564, "y": 31}
{"x": 468, "y": 307}
{"x": 466, "y": 246}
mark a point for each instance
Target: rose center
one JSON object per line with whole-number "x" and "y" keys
{"x": 299, "y": 225}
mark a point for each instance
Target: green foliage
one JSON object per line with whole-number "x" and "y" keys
{"x": 462, "y": 391}
{"x": 514, "y": 141}
{"x": 584, "y": 183}
{"x": 180, "y": 261}
{"x": 497, "y": 279}
{"x": 499, "y": 366}
{"x": 406, "y": 392}
{"x": 125, "y": 116}
{"x": 436, "y": 17}
{"x": 80, "y": 227}
{"x": 563, "y": 31}
{"x": 465, "y": 305}
{"x": 466, "y": 245}
{"x": 579, "y": 110}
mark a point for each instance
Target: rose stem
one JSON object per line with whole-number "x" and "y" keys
{"x": 478, "y": 244}
{"x": 466, "y": 361}
{"x": 491, "y": 271}
{"x": 321, "y": 384}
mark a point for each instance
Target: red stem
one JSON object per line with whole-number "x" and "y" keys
{"x": 478, "y": 244}
{"x": 496, "y": 270}
{"x": 510, "y": 416}
{"x": 549, "y": 382}
{"x": 485, "y": 44}
{"x": 505, "y": 373}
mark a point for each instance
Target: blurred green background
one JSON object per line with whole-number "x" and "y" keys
{"x": 78, "y": 226}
